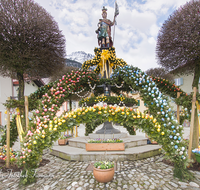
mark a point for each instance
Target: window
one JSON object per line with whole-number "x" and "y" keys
{"x": 138, "y": 102}
{"x": 178, "y": 81}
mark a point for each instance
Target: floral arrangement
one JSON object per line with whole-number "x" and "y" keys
{"x": 13, "y": 154}
{"x": 66, "y": 136}
{"x": 46, "y": 127}
{"x": 104, "y": 164}
{"x": 109, "y": 100}
{"x": 196, "y": 150}
{"x": 111, "y": 56}
{"x": 105, "y": 140}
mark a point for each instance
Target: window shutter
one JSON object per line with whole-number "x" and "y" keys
{"x": 178, "y": 81}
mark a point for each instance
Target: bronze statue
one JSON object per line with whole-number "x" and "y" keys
{"x": 104, "y": 30}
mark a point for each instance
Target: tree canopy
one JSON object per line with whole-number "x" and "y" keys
{"x": 30, "y": 41}
{"x": 178, "y": 45}
{"x": 159, "y": 72}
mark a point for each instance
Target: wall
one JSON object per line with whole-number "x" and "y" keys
{"x": 5, "y": 92}
{"x": 187, "y": 83}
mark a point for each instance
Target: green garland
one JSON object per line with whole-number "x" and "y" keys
{"x": 32, "y": 103}
{"x": 109, "y": 100}
{"x": 13, "y": 133}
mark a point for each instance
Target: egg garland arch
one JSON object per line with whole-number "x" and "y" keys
{"x": 46, "y": 127}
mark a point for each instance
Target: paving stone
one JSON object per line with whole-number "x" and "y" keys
{"x": 193, "y": 184}
{"x": 149, "y": 174}
{"x": 86, "y": 184}
{"x": 173, "y": 184}
{"x": 46, "y": 187}
{"x": 54, "y": 184}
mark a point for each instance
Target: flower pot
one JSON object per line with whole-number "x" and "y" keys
{"x": 62, "y": 141}
{"x": 104, "y": 146}
{"x": 103, "y": 175}
{"x": 197, "y": 156}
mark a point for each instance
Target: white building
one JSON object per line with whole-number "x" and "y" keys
{"x": 9, "y": 88}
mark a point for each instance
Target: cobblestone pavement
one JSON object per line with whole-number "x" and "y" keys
{"x": 150, "y": 173}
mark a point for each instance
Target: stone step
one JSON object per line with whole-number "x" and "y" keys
{"x": 130, "y": 141}
{"x": 79, "y": 154}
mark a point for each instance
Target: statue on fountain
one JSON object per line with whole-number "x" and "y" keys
{"x": 104, "y": 30}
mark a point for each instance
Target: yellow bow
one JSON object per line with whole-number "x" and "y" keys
{"x": 105, "y": 55}
{"x": 19, "y": 125}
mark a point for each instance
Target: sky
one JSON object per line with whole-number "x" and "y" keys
{"x": 135, "y": 36}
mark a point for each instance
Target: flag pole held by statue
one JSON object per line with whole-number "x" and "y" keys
{"x": 116, "y": 13}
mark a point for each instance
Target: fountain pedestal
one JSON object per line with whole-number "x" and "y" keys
{"x": 107, "y": 132}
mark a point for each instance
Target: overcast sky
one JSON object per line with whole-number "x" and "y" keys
{"x": 136, "y": 31}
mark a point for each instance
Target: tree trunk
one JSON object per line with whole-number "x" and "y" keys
{"x": 195, "y": 139}
{"x": 20, "y": 78}
{"x": 195, "y": 142}
{"x": 70, "y": 105}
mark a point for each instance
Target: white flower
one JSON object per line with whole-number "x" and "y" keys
{"x": 172, "y": 143}
{"x": 181, "y": 152}
{"x": 183, "y": 148}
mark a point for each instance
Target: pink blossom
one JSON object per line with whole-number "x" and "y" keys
{"x": 29, "y": 133}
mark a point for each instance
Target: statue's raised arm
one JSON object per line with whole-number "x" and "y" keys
{"x": 104, "y": 30}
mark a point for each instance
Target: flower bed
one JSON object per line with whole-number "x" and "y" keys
{"x": 105, "y": 141}
{"x": 105, "y": 145}
{"x": 64, "y": 139}
{"x": 13, "y": 154}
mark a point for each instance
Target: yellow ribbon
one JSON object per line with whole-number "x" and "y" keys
{"x": 19, "y": 125}
{"x": 105, "y": 55}
{"x": 197, "y": 105}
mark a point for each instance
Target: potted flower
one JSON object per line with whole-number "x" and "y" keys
{"x": 103, "y": 171}
{"x": 64, "y": 139}
{"x": 105, "y": 145}
{"x": 196, "y": 151}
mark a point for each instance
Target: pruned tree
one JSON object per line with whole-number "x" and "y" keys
{"x": 159, "y": 72}
{"x": 60, "y": 73}
{"x": 31, "y": 43}
{"x": 178, "y": 48}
